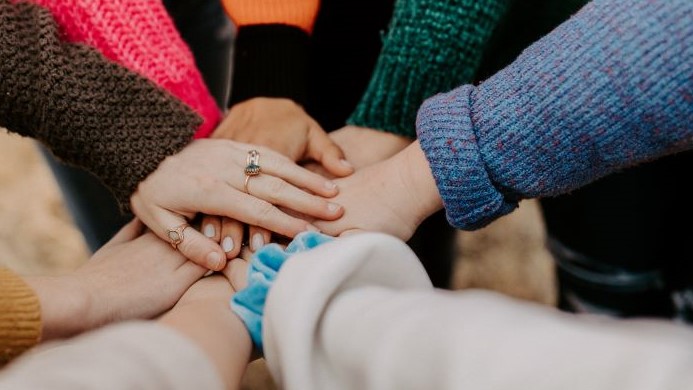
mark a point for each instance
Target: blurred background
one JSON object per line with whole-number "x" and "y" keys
{"x": 37, "y": 236}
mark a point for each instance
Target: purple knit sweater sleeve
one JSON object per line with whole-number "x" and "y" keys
{"x": 610, "y": 88}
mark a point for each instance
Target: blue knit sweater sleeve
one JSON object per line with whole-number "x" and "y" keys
{"x": 610, "y": 88}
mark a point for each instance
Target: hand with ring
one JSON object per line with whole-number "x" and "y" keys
{"x": 227, "y": 179}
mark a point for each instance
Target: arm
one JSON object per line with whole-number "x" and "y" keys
{"x": 360, "y": 313}
{"x": 585, "y": 101}
{"x": 431, "y": 46}
{"x": 270, "y": 82}
{"x": 272, "y": 48}
{"x": 41, "y": 308}
{"x": 151, "y": 47}
{"x": 200, "y": 343}
{"x": 87, "y": 110}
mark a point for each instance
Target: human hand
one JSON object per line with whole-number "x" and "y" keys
{"x": 133, "y": 276}
{"x": 208, "y": 177}
{"x": 393, "y": 196}
{"x": 282, "y": 125}
{"x": 363, "y": 146}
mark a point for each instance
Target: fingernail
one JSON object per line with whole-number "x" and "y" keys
{"x": 312, "y": 228}
{"x": 209, "y": 230}
{"x": 209, "y": 272}
{"x": 330, "y": 185}
{"x": 213, "y": 260}
{"x": 227, "y": 244}
{"x": 333, "y": 207}
{"x": 346, "y": 163}
{"x": 257, "y": 242}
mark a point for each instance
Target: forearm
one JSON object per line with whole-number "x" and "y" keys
{"x": 219, "y": 333}
{"x": 579, "y": 104}
{"x": 64, "y": 306}
{"x": 88, "y": 111}
{"x": 134, "y": 355}
{"x": 431, "y": 46}
{"x": 369, "y": 319}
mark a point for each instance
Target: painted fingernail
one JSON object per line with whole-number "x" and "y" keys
{"x": 330, "y": 185}
{"x": 257, "y": 242}
{"x": 333, "y": 207}
{"x": 209, "y": 230}
{"x": 227, "y": 244}
{"x": 213, "y": 260}
{"x": 312, "y": 228}
{"x": 346, "y": 163}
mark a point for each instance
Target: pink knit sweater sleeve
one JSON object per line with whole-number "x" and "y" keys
{"x": 140, "y": 35}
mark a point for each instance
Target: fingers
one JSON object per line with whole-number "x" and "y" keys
{"x": 278, "y": 192}
{"x": 211, "y": 227}
{"x": 258, "y": 237}
{"x": 236, "y": 272}
{"x": 322, "y": 149}
{"x": 231, "y": 237}
{"x": 194, "y": 245}
{"x": 276, "y": 165}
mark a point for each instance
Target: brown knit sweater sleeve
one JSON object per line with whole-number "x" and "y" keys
{"x": 20, "y": 316}
{"x": 89, "y": 111}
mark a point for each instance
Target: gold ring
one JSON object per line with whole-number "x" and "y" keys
{"x": 176, "y": 234}
{"x": 252, "y": 167}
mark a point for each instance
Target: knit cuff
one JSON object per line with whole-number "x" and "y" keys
{"x": 395, "y": 93}
{"x": 448, "y": 138}
{"x": 432, "y": 46}
{"x": 20, "y": 316}
{"x": 270, "y": 61}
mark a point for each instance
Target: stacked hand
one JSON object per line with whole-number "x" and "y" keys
{"x": 283, "y": 126}
{"x": 208, "y": 176}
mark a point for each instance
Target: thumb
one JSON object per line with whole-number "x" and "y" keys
{"x": 323, "y": 150}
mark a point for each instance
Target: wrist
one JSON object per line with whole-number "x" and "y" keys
{"x": 64, "y": 306}
{"x": 419, "y": 181}
{"x": 218, "y": 332}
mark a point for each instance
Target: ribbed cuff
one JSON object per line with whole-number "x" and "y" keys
{"x": 20, "y": 316}
{"x": 431, "y": 47}
{"x": 270, "y": 61}
{"x": 395, "y": 93}
{"x": 447, "y": 137}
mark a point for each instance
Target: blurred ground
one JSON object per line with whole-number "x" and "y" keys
{"x": 37, "y": 237}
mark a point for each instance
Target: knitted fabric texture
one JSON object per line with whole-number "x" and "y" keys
{"x": 20, "y": 316}
{"x": 249, "y": 303}
{"x": 270, "y": 60}
{"x": 297, "y": 13}
{"x": 611, "y": 87}
{"x": 141, "y": 36}
{"x": 430, "y": 47}
{"x": 89, "y": 111}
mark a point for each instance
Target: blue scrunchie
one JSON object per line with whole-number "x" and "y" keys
{"x": 249, "y": 303}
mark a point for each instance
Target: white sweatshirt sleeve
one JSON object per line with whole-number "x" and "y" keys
{"x": 360, "y": 313}
{"x": 135, "y": 355}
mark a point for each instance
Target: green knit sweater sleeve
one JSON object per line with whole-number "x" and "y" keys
{"x": 431, "y": 46}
